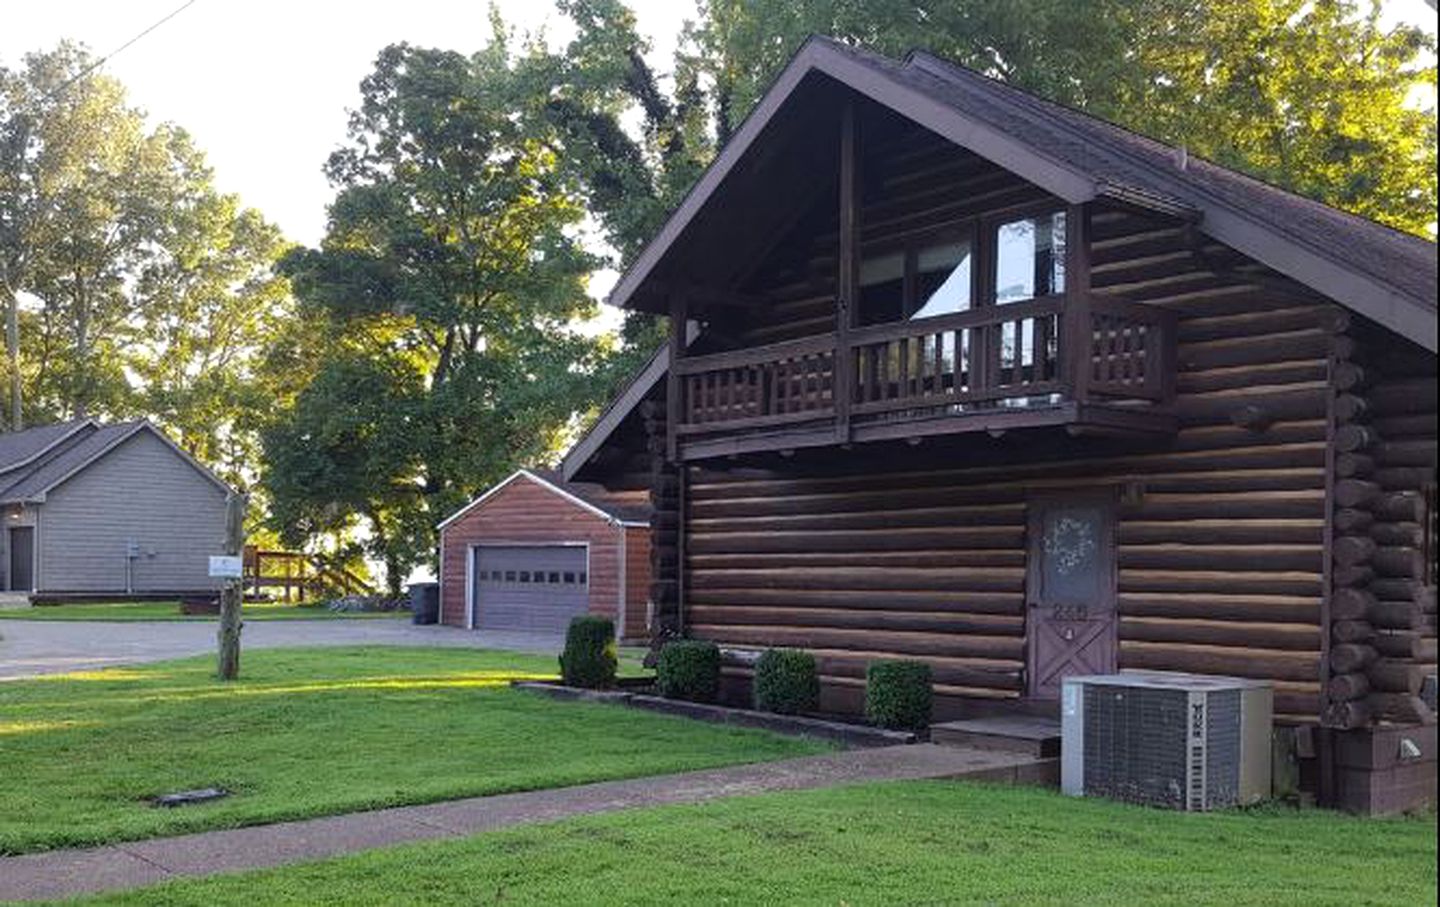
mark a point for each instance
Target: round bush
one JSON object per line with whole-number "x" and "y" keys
{"x": 689, "y": 669}
{"x": 787, "y": 682}
{"x": 589, "y": 657}
{"x": 898, "y": 695}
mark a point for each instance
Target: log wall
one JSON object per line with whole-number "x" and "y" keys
{"x": 918, "y": 551}
{"x": 1381, "y": 614}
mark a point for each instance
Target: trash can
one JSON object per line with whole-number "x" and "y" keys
{"x": 425, "y": 603}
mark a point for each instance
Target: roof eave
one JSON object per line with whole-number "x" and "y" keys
{"x": 1388, "y": 307}
{"x": 611, "y": 518}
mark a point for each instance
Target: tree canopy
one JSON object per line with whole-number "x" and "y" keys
{"x": 450, "y": 280}
{"x": 150, "y": 293}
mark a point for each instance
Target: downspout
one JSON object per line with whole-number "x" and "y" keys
{"x": 620, "y": 609}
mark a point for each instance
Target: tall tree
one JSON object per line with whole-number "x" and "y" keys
{"x": 213, "y": 310}
{"x": 150, "y": 293}
{"x": 450, "y": 275}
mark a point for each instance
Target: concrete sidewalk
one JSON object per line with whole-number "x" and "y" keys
{"x": 67, "y": 873}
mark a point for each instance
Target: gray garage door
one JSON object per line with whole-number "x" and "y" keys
{"x": 532, "y": 588}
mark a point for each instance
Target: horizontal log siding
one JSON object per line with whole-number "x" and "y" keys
{"x": 527, "y": 513}
{"x": 1383, "y": 622}
{"x": 1220, "y": 560}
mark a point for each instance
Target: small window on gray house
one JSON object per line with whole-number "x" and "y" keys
{"x": 569, "y": 576}
{"x": 509, "y": 576}
{"x": 554, "y": 577}
{"x": 1030, "y": 258}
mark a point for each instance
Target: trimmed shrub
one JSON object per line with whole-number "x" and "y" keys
{"x": 589, "y": 658}
{"x": 689, "y": 669}
{"x": 897, "y": 694}
{"x": 787, "y": 682}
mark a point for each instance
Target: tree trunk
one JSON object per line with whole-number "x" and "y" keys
{"x": 12, "y": 349}
{"x": 230, "y": 594}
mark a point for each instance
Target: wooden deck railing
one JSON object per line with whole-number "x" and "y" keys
{"x": 294, "y": 575}
{"x": 1028, "y": 353}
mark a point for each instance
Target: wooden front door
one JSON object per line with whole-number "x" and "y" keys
{"x": 1070, "y": 590}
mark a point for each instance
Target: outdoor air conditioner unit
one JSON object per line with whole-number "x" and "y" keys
{"x": 1183, "y": 741}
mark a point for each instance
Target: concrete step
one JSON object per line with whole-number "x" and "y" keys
{"x": 1037, "y": 737}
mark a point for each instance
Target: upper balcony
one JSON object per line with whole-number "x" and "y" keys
{"x": 1085, "y": 363}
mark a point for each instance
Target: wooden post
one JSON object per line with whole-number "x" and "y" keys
{"x": 232, "y": 593}
{"x": 1077, "y": 332}
{"x": 847, "y": 298}
{"x": 674, "y": 386}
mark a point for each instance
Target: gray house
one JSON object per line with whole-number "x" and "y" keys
{"x": 100, "y": 510}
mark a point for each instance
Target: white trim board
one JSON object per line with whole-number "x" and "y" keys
{"x": 608, "y": 517}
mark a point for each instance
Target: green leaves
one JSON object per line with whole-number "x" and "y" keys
{"x": 448, "y": 282}
{"x": 147, "y": 291}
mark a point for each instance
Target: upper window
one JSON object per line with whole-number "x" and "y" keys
{"x": 1030, "y": 258}
{"x": 942, "y": 279}
{"x": 920, "y": 282}
{"x": 882, "y": 288}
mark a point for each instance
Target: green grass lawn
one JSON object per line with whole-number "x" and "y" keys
{"x": 125, "y": 611}
{"x": 928, "y": 842}
{"x": 316, "y": 731}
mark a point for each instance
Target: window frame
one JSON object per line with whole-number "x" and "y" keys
{"x": 982, "y": 232}
{"x": 990, "y": 233}
{"x": 965, "y": 231}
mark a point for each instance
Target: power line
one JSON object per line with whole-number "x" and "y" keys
{"x": 112, "y": 54}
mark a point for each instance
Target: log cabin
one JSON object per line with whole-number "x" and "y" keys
{"x": 960, "y": 375}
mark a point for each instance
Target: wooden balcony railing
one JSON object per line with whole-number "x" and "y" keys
{"x": 1032, "y": 353}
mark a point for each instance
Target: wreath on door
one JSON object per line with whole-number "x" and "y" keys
{"x": 1070, "y": 543}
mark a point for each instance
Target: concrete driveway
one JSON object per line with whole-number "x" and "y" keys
{"x": 31, "y": 647}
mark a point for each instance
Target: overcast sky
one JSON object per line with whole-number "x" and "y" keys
{"x": 263, "y": 85}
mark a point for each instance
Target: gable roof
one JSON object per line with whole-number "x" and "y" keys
{"x": 63, "y": 462}
{"x": 639, "y": 386}
{"x": 1384, "y": 274}
{"x": 617, "y": 508}
{"x": 17, "y": 448}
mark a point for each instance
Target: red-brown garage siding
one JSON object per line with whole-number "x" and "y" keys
{"x": 528, "y": 510}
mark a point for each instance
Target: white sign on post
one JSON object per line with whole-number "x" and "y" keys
{"x": 227, "y": 566}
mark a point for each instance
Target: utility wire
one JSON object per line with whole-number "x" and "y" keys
{"x": 112, "y": 54}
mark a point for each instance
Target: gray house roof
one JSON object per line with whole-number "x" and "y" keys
{"x": 1384, "y": 274}
{"x": 56, "y": 455}
{"x": 18, "y": 448}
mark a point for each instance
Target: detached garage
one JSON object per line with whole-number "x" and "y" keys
{"x": 534, "y": 551}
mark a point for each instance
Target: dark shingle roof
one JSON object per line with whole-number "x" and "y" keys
{"x": 20, "y": 447}
{"x": 1113, "y": 154}
{"x": 39, "y": 478}
{"x": 1381, "y": 273}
